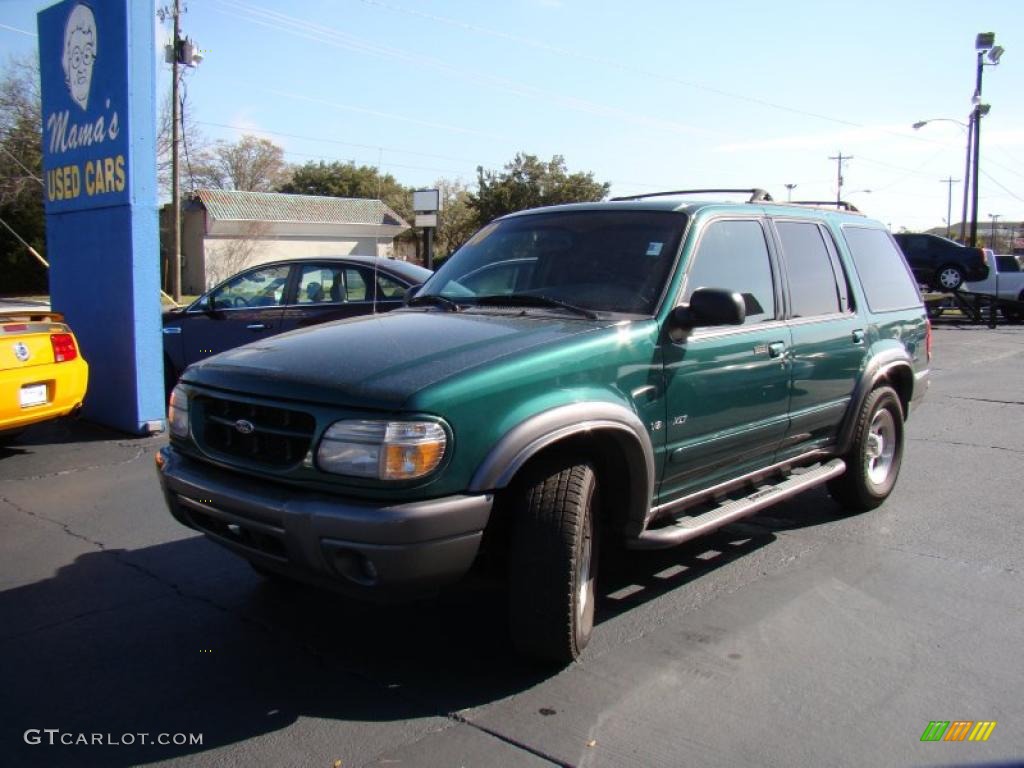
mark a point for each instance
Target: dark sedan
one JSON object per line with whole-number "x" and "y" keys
{"x": 942, "y": 264}
{"x": 281, "y": 296}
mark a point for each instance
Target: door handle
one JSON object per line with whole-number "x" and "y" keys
{"x": 256, "y": 327}
{"x": 858, "y": 336}
{"x": 776, "y": 348}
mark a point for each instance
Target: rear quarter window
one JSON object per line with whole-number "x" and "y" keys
{"x": 887, "y": 282}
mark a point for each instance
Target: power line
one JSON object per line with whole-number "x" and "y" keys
{"x": 619, "y": 65}
{"x": 19, "y": 31}
{"x": 334, "y": 37}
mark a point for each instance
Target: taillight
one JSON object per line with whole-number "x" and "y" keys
{"x": 64, "y": 348}
{"x": 928, "y": 339}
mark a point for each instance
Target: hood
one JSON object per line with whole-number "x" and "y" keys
{"x": 379, "y": 361}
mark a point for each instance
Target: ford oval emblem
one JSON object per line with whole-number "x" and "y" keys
{"x": 245, "y": 427}
{"x": 21, "y": 351}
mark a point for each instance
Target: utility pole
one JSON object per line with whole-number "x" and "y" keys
{"x": 175, "y": 192}
{"x": 839, "y": 175}
{"x": 180, "y": 53}
{"x": 967, "y": 177}
{"x": 992, "y": 231}
{"x": 949, "y": 204}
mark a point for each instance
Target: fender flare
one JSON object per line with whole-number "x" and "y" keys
{"x": 528, "y": 438}
{"x": 880, "y": 366}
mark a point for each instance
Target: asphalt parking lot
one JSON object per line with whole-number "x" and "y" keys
{"x": 801, "y": 637}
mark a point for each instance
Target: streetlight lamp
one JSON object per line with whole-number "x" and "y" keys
{"x": 789, "y": 192}
{"x": 967, "y": 172}
{"x": 985, "y": 45}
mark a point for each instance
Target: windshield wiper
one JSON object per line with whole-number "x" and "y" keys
{"x": 531, "y": 300}
{"x": 435, "y": 299}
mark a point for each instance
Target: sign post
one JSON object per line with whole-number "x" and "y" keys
{"x": 426, "y": 203}
{"x": 97, "y": 63}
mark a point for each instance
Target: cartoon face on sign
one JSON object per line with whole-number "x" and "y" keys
{"x": 79, "y": 53}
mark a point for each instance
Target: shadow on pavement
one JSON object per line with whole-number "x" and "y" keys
{"x": 184, "y": 638}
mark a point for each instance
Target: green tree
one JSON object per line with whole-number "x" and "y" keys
{"x": 338, "y": 179}
{"x": 251, "y": 164}
{"x": 21, "y": 171}
{"x": 528, "y": 182}
{"x": 192, "y": 145}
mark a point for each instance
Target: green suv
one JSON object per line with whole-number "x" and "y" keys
{"x": 636, "y": 372}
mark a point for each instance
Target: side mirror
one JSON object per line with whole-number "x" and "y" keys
{"x": 411, "y": 292}
{"x": 707, "y": 307}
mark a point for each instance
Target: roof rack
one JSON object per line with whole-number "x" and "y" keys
{"x": 840, "y": 204}
{"x": 756, "y": 195}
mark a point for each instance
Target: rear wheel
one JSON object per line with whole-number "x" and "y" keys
{"x": 874, "y": 459}
{"x": 553, "y": 562}
{"x": 949, "y": 278}
{"x": 1015, "y": 314}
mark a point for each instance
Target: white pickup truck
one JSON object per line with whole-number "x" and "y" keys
{"x": 1005, "y": 281}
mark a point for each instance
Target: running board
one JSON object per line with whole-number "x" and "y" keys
{"x": 687, "y": 528}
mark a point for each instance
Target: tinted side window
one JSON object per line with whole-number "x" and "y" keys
{"x": 882, "y": 271}
{"x": 258, "y": 288}
{"x": 318, "y": 284}
{"x": 1007, "y": 264}
{"x": 812, "y": 283}
{"x": 733, "y": 255}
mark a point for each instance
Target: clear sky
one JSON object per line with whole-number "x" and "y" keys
{"x": 647, "y": 95}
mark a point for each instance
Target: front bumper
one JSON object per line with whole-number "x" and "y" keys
{"x": 367, "y": 549}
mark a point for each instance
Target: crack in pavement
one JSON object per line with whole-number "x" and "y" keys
{"x": 985, "y": 400}
{"x": 267, "y": 628}
{"x": 65, "y": 472}
{"x": 958, "y": 444}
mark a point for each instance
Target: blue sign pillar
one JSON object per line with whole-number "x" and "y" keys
{"x": 97, "y": 62}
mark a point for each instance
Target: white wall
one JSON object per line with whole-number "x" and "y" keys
{"x": 226, "y": 256}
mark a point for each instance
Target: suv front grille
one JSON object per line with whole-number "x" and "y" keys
{"x": 278, "y": 437}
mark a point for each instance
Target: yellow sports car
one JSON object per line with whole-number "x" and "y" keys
{"x": 42, "y": 373}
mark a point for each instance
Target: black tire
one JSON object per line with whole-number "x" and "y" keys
{"x": 933, "y": 310}
{"x": 553, "y": 562}
{"x": 9, "y": 436}
{"x": 873, "y": 462}
{"x": 949, "y": 278}
{"x": 1015, "y": 314}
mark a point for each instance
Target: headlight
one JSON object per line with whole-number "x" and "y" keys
{"x": 177, "y": 413}
{"x": 382, "y": 450}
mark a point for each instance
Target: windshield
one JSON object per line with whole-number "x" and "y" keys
{"x": 597, "y": 261}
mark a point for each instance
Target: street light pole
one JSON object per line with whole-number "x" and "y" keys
{"x": 985, "y": 45}
{"x": 968, "y": 128}
{"x": 789, "y": 192}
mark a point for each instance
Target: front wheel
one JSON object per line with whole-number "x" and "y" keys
{"x": 553, "y": 562}
{"x": 874, "y": 459}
